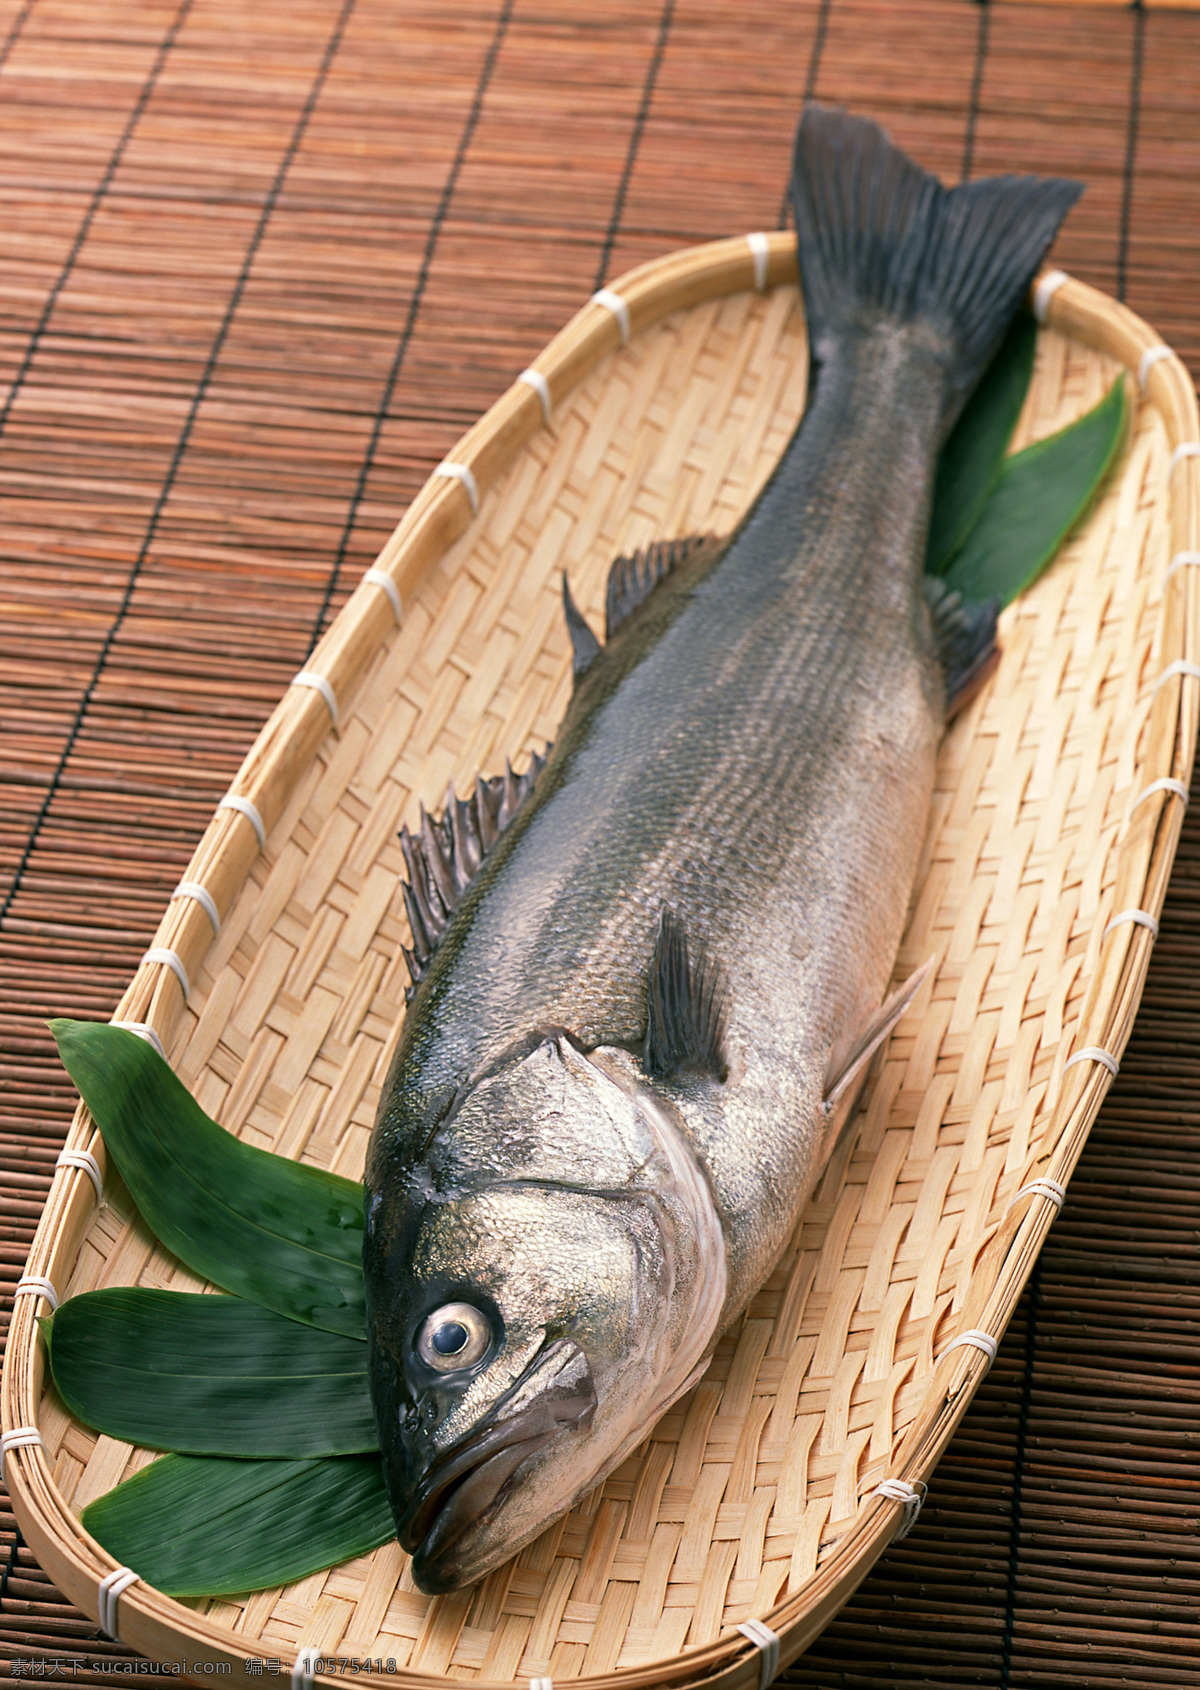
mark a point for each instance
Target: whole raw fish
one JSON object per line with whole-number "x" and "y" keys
{"x": 652, "y": 972}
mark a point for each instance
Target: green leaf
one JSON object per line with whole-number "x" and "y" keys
{"x": 279, "y": 1234}
{"x": 1041, "y": 494}
{"x": 209, "y": 1375}
{"x": 202, "y": 1526}
{"x": 973, "y": 457}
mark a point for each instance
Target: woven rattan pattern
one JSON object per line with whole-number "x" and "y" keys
{"x": 173, "y": 722}
{"x": 754, "y": 1477}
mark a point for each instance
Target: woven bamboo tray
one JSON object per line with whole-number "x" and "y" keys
{"x": 659, "y": 410}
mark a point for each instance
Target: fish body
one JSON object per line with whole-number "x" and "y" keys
{"x": 630, "y": 1051}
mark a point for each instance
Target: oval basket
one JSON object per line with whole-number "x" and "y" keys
{"x": 659, "y": 410}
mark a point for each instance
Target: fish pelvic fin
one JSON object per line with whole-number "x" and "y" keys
{"x": 686, "y": 1000}
{"x": 852, "y": 1053}
{"x": 445, "y": 853}
{"x": 878, "y": 235}
{"x": 966, "y": 640}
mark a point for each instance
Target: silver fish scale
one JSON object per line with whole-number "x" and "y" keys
{"x": 752, "y": 754}
{"x": 755, "y": 750}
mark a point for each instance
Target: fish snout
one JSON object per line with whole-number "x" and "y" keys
{"x": 457, "y": 1488}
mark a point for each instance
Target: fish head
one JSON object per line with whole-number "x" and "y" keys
{"x": 540, "y": 1287}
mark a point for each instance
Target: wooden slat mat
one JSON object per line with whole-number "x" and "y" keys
{"x": 259, "y": 266}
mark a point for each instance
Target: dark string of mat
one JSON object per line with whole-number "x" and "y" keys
{"x": 635, "y": 139}
{"x": 1021, "y": 1570}
{"x": 198, "y": 397}
{"x": 1128, "y": 174}
{"x": 981, "y": 51}
{"x": 406, "y": 334}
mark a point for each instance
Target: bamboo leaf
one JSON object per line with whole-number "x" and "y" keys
{"x": 204, "y": 1526}
{"x": 209, "y": 1375}
{"x": 280, "y": 1234}
{"x": 1040, "y": 496}
{"x": 973, "y": 457}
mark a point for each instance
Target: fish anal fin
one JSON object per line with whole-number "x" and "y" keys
{"x": 632, "y": 579}
{"x": 585, "y": 647}
{"x": 446, "y": 852}
{"x": 852, "y": 1053}
{"x": 685, "y": 1007}
{"x": 965, "y": 632}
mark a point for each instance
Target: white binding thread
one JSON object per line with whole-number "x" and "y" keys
{"x": 244, "y": 807}
{"x": 760, "y": 250}
{"x": 87, "y": 1164}
{"x": 1167, "y": 784}
{"x": 1045, "y": 292}
{"x": 1188, "y": 449}
{"x": 1042, "y": 1188}
{"x": 112, "y": 1585}
{"x": 304, "y": 1669}
{"x": 975, "y": 1339}
{"x": 535, "y": 379}
{"x": 766, "y": 1640}
{"x": 202, "y": 896}
{"x": 541, "y": 1684}
{"x": 33, "y": 1286}
{"x": 1181, "y": 560}
{"x": 143, "y": 1030}
{"x": 461, "y": 473}
{"x": 1093, "y": 1053}
{"x": 613, "y": 302}
{"x": 1151, "y": 356}
{"x": 910, "y": 1496}
{"x": 1140, "y": 918}
{"x": 1190, "y": 671}
{"x": 381, "y": 578}
{"x": 21, "y": 1437}
{"x": 319, "y": 683}
{"x": 170, "y": 959}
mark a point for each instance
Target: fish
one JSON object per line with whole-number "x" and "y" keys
{"x": 650, "y": 973}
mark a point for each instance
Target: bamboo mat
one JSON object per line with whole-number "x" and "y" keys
{"x": 259, "y": 266}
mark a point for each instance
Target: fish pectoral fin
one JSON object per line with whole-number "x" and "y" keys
{"x": 632, "y": 579}
{"x": 853, "y": 1051}
{"x": 966, "y": 640}
{"x": 585, "y": 647}
{"x": 685, "y": 1007}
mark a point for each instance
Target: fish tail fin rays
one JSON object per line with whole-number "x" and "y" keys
{"x": 877, "y": 233}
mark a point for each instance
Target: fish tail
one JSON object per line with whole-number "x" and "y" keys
{"x": 877, "y": 235}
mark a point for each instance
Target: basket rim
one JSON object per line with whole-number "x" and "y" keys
{"x": 286, "y": 746}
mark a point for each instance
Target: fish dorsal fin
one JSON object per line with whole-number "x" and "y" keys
{"x": 685, "y": 1007}
{"x": 853, "y": 1051}
{"x": 585, "y": 647}
{"x": 966, "y": 640}
{"x": 444, "y": 854}
{"x": 632, "y": 579}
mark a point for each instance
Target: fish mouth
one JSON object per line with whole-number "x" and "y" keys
{"x": 459, "y": 1489}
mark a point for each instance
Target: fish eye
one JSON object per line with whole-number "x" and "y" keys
{"x": 454, "y": 1336}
